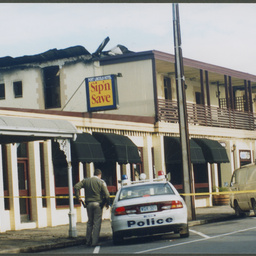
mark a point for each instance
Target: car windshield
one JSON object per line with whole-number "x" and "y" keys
{"x": 145, "y": 191}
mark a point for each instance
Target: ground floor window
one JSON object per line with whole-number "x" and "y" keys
{"x": 108, "y": 169}
{"x": 245, "y": 157}
{"x": 61, "y": 183}
{"x": 176, "y": 175}
{"x": 200, "y": 177}
{"x": 42, "y": 165}
{"x": 24, "y": 181}
{"x": 137, "y": 169}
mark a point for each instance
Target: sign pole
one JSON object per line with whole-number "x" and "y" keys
{"x": 66, "y": 148}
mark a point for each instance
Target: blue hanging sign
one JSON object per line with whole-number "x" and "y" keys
{"x": 101, "y": 93}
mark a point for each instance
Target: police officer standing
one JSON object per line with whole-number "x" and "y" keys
{"x": 96, "y": 196}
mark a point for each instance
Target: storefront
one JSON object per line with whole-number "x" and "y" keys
{"x": 20, "y": 173}
{"x": 203, "y": 153}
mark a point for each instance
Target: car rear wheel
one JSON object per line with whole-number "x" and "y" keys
{"x": 238, "y": 211}
{"x": 184, "y": 232}
{"x": 254, "y": 207}
{"x": 117, "y": 239}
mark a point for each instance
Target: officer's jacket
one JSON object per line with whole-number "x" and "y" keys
{"x": 95, "y": 190}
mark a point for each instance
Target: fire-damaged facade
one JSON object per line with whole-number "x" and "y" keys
{"x": 47, "y": 92}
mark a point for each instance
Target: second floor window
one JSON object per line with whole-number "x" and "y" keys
{"x": 167, "y": 88}
{"x": 198, "y": 96}
{"x": 2, "y": 91}
{"x": 52, "y": 87}
{"x": 17, "y": 88}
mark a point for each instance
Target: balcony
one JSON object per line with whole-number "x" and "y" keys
{"x": 206, "y": 115}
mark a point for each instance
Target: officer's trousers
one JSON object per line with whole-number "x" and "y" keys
{"x": 94, "y": 212}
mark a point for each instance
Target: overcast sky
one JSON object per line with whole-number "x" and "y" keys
{"x": 220, "y": 34}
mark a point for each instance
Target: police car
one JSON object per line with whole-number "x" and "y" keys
{"x": 146, "y": 208}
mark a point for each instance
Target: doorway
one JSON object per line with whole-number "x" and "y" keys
{"x": 24, "y": 190}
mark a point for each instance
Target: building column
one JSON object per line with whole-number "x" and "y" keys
{"x": 38, "y": 212}
{"x": 81, "y": 212}
{"x": 148, "y": 158}
{"x": 49, "y": 184}
{"x": 118, "y": 174}
{"x": 126, "y": 169}
{"x": 158, "y": 143}
{"x": 13, "y": 183}
{"x": 89, "y": 170}
{"x": 215, "y": 176}
{"x": 210, "y": 183}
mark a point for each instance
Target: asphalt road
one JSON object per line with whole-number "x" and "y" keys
{"x": 228, "y": 237}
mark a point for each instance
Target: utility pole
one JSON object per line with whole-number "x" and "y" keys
{"x": 182, "y": 109}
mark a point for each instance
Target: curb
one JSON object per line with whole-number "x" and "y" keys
{"x": 202, "y": 222}
{"x": 51, "y": 246}
{"x": 44, "y": 247}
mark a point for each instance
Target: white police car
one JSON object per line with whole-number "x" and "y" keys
{"x": 146, "y": 208}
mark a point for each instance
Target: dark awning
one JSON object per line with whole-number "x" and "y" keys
{"x": 213, "y": 151}
{"x": 173, "y": 154}
{"x": 86, "y": 149}
{"x": 118, "y": 148}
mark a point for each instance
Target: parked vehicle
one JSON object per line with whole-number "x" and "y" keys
{"x": 243, "y": 179}
{"x": 147, "y": 208}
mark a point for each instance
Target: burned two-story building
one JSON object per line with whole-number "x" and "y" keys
{"x": 47, "y": 92}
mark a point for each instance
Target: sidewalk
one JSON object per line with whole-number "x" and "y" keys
{"x": 34, "y": 240}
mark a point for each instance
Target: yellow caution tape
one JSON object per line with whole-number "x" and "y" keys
{"x": 218, "y": 193}
{"x": 113, "y": 196}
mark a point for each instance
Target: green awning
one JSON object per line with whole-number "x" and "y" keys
{"x": 86, "y": 149}
{"x": 173, "y": 154}
{"x": 213, "y": 151}
{"x": 118, "y": 148}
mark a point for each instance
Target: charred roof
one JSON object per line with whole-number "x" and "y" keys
{"x": 50, "y": 55}
{"x": 55, "y": 54}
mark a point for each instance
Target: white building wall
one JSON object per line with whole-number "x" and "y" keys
{"x": 72, "y": 79}
{"x": 160, "y": 87}
{"x": 135, "y": 88}
{"x": 31, "y": 87}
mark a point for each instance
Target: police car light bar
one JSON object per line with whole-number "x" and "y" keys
{"x": 125, "y": 181}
